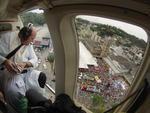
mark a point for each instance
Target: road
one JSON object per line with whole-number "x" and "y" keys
{"x": 42, "y": 54}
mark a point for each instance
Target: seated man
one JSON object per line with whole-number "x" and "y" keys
{"x": 18, "y": 74}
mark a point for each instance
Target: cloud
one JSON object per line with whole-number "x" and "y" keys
{"x": 37, "y": 11}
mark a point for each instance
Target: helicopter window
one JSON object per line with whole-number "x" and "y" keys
{"x": 43, "y": 47}
{"x": 110, "y": 54}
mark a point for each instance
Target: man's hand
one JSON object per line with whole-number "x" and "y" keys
{"x": 11, "y": 66}
{"x": 21, "y": 66}
{"x": 28, "y": 64}
{"x": 16, "y": 67}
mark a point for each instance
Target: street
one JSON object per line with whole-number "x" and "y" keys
{"x": 43, "y": 64}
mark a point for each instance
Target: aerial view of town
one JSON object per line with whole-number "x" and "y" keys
{"x": 109, "y": 59}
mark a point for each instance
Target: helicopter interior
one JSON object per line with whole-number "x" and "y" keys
{"x": 60, "y": 16}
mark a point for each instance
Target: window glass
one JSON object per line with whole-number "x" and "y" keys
{"x": 110, "y": 54}
{"x": 43, "y": 47}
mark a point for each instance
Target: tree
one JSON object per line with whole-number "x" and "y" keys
{"x": 98, "y": 104}
{"x": 50, "y": 57}
{"x": 97, "y": 100}
{"x": 34, "y": 18}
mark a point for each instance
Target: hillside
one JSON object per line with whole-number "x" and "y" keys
{"x": 106, "y": 30}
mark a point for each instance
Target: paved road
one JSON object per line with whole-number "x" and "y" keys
{"x": 44, "y": 65}
{"x": 42, "y": 55}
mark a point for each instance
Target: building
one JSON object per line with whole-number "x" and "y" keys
{"x": 94, "y": 47}
{"x": 45, "y": 42}
{"x": 135, "y": 54}
{"x": 37, "y": 44}
{"x": 85, "y": 57}
{"x": 105, "y": 45}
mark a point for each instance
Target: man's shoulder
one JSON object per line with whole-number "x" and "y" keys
{"x": 29, "y": 47}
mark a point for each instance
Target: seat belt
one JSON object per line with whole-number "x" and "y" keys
{"x": 12, "y": 53}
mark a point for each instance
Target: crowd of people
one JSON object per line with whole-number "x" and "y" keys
{"x": 111, "y": 88}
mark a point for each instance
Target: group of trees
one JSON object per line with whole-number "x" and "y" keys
{"x": 51, "y": 59}
{"x": 98, "y": 104}
{"x": 34, "y": 18}
{"x": 106, "y": 30}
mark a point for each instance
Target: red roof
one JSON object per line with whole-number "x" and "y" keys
{"x": 37, "y": 43}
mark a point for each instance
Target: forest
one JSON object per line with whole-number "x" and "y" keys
{"x": 106, "y": 30}
{"x": 37, "y": 19}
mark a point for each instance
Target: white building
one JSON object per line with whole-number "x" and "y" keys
{"x": 85, "y": 57}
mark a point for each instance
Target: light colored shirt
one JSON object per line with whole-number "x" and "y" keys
{"x": 20, "y": 83}
{"x": 8, "y": 42}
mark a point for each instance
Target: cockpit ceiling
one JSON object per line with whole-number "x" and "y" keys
{"x": 10, "y": 8}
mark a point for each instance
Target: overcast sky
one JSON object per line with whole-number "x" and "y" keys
{"x": 37, "y": 11}
{"x": 129, "y": 28}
